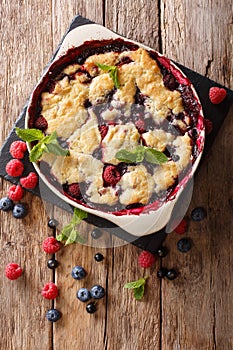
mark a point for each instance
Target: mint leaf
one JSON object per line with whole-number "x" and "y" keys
{"x": 113, "y": 73}
{"x": 135, "y": 284}
{"x": 139, "y": 292}
{"x": 69, "y": 232}
{"x": 138, "y": 287}
{"x": 140, "y": 153}
{"x": 155, "y": 157}
{"x": 56, "y": 149}
{"x": 29, "y": 135}
{"x": 126, "y": 156}
{"x": 37, "y": 152}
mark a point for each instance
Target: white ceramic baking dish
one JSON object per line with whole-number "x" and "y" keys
{"x": 144, "y": 223}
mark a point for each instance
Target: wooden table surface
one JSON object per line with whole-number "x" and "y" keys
{"x": 194, "y": 312}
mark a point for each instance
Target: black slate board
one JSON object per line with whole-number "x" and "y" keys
{"x": 216, "y": 113}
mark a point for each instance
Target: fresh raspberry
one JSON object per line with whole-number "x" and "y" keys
{"x": 17, "y": 149}
{"x": 208, "y": 126}
{"x": 103, "y": 129}
{"x": 111, "y": 175}
{"x": 50, "y": 291}
{"x": 146, "y": 259}
{"x": 140, "y": 125}
{"x": 14, "y": 168}
{"x": 217, "y": 95}
{"x": 74, "y": 190}
{"x": 181, "y": 228}
{"x": 15, "y": 193}
{"x": 29, "y": 181}
{"x": 51, "y": 245}
{"x": 13, "y": 271}
{"x": 41, "y": 123}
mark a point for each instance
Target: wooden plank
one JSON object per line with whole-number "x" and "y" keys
{"x": 197, "y": 307}
{"x": 23, "y": 55}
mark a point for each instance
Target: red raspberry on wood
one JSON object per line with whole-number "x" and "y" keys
{"x": 13, "y": 271}
{"x": 182, "y": 227}
{"x": 49, "y": 291}
{"x": 208, "y": 126}
{"x": 15, "y": 193}
{"x": 51, "y": 245}
{"x": 146, "y": 259}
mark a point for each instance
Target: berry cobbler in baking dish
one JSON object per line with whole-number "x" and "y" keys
{"x": 129, "y": 118}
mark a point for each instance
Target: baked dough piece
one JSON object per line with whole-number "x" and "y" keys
{"x": 183, "y": 149}
{"x": 157, "y": 139}
{"x": 102, "y": 195}
{"x": 137, "y": 185}
{"x": 165, "y": 176}
{"x": 119, "y": 137}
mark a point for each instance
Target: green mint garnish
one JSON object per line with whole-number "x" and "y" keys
{"x": 139, "y": 154}
{"x": 112, "y": 72}
{"x": 138, "y": 287}
{"x": 46, "y": 144}
{"x": 69, "y": 232}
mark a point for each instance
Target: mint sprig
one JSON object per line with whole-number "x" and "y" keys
{"x": 140, "y": 153}
{"x": 113, "y": 73}
{"x": 69, "y": 232}
{"x": 138, "y": 287}
{"x": 46, "y": 144}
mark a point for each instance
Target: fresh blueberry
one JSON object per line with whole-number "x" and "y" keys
{"x": 184, "y": 245}
{"x": 96, "y": 233}
{"x": 198, "y": 214}
{"x": 97, "y": 292}
{"x": 83, "y": 294}
{"x": 53, "y": 223}
{"x": 91, "y": 308}
{"x": 162, "y": 252}
{"x": 78, "y": 273}
{"x": 171, "y": 274}
{"x": 162, "y": 272}
{"x": 19, "y": 211}
{"x": 53, "y": 315}
{"x": 98, "y": 257}
{"x": 6, "y": 204}
{"x": 52, "y": 264}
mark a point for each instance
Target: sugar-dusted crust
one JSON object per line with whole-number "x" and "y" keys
{"x": 96, "y": 119}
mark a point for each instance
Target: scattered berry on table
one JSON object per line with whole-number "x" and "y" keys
{"x": 14, "y": 168}
{"x": 162, "y": 252}
{"x": 208, "y": 126}
{"x": 15, "y": 193}
{"x": 78, "y": 273}
{"x": 146, "y": 259}
{"x": 83, "y": 294}
{"x": 111, "y": 175}
{"x": 53, "y": 315}
{"x": 182, "y": 227}
{"x": 91, "y": 307}
{"x": 52, "y": 264}
{"x": 171, "y": 274}
{"x": 13, "y": 271}
{"x": 96, "y": 233}
{"x": 6, "y": 204}
{"x": 97, "y": 292}
{"x": 51, "y": 245}
{"x": 184, "y": 245}
{"x": 18, "y": 149}
{"x": 99, "y": 257}
{"x": 19, "y": 211}
{"x": 49, "y": 291}
{"x": 217, "y": 95}
{"x": 161, "y": 273}
{"x": 53, "y": 223}
{"x": 29, "y": 181}
{"x": 198, "y": 214}
{"x": 41, "y": 123}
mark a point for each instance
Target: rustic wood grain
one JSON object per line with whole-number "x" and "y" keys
{"x": 193, "y": 312}
{"x": 196, "y": 307}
